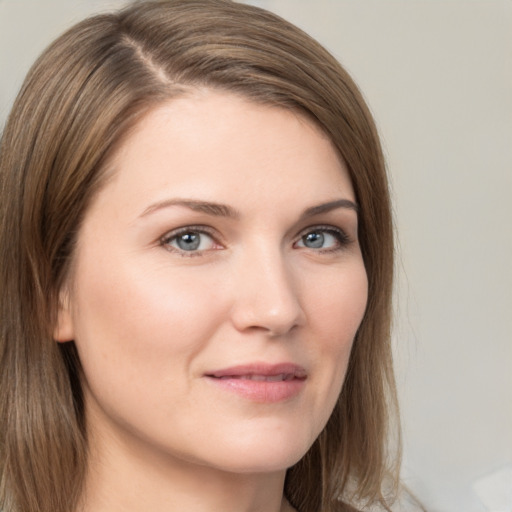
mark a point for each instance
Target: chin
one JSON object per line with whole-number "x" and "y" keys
{"x": 266, "y": 455}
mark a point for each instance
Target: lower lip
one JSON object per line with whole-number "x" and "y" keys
{"x": 261, "y": 391}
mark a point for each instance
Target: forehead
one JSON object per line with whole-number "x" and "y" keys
{"x": 222, "y": 146}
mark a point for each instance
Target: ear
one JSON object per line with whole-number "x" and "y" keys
{"x": 64, "y": 330}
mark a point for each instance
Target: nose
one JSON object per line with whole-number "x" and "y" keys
{"x": 267, "y": 297}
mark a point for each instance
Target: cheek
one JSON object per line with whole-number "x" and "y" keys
{"x": 337, "y": 306}
{"x": 135, "y": 324}
{"x": 132, "y": 297}
{"x": 336, "y": 311}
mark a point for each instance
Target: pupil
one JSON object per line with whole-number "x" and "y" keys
{"x": 314, "y": 240}
{"x": 189, "y": 241}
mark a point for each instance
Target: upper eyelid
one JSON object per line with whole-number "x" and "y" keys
{"x": 323, "y": 227}
{"x": 206, "y": 230}
{"x": 344, "y": 238}
{"x": 319, "y": 227}
{"x": 217, "y": 238}
{"x": 166, "y": 239}
{"x": 201, "y": 228}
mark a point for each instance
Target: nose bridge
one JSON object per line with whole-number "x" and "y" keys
{"x": 266, "y": 295}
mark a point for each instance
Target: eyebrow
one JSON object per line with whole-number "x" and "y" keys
{"x": 222, "y": 210}
{"x": 216, "y": 209}
{"x": 331, "y": 205}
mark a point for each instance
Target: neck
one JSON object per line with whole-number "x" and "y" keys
{"x": 125, "y": 476}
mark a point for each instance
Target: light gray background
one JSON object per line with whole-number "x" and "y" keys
{"x": 438, "y": 77}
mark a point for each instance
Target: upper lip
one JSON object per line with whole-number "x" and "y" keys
{"x": 289, "y": 370}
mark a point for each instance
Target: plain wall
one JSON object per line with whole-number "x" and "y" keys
{"x": 438, "y": 77}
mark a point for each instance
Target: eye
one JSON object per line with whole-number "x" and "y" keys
{"x": 323, "y": 238}
{"x": 189, "y": 240}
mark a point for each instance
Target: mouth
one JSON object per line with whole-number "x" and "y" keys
{"x": 261, "y": 378}
{"x": 262, "y": 383}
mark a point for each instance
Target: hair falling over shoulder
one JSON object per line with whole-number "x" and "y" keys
{"x": 78, "y": 102}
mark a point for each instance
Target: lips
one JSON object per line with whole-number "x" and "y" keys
{"x": 261, "y": 382}
{"x": 262, "y": 378}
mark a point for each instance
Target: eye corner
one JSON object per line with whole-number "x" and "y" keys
{"x": 190, "y": 241}
{"x": 323, "y": 239}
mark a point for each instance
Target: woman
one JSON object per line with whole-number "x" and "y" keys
{"x": 196, "y": 262}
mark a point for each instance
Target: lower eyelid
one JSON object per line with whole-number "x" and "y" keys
{"x": 168, "y": 238}
{"x": 342, "y": 239}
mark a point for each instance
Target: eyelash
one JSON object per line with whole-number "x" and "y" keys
{"x": 341, "y": 237}
{"x": 166, "y": 240}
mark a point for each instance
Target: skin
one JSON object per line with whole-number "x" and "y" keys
{"x": 267, "y": 284}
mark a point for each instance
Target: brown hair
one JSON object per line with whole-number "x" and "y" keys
{"x": 82, "y": 96}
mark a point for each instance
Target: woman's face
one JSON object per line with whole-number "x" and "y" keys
{"x": 217, "y": 286}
